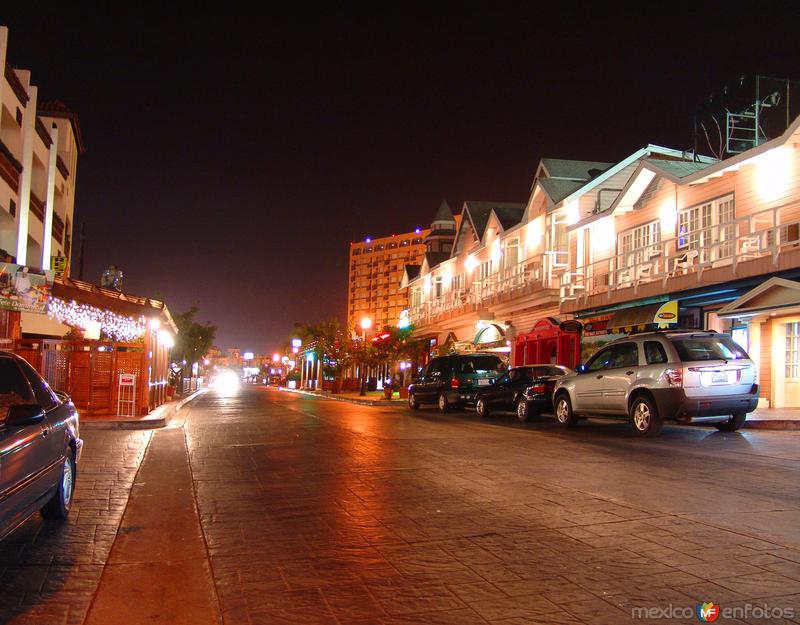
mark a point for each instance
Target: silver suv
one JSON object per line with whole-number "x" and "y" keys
{"x": 688, "y": 377}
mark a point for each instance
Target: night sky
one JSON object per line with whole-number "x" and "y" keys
{"x": 230, "y": 158}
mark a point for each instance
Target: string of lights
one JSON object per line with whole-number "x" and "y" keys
{"x": 117, "y": 327}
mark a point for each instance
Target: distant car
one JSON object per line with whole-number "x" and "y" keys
{"x": 454, "y": 380}
{"x": 39, "y": 446}
{"x": 527, "y": 389}
{"x": 685, "y": 376}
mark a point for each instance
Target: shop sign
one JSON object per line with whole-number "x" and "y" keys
{"x": 24, "y": 289}
{"x": 58, "y": 264}
{"x": 127, "y": 379}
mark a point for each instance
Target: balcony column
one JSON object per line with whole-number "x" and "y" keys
{"x": 47, "y": 236}
{"x": 3, "y": 49}
{"x": 28, "y": 137}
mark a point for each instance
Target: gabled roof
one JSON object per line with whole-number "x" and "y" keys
{"x": 770, "y": 295}
{"x": 558, "y": 189}
{"x": 478, "y": 214}
{"x": 410, "y": 273}
{"x": 434, "y": 258}
{"x": 564, "y": 169}
{"x": 675, "y": 169}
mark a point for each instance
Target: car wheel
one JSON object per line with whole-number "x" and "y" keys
{"x": 644, "y": 417}
{"x": 444, "y": 405}
{"x": 412, "y": 402}
{"x": 564, "y": 415}
{"x": 59, "y": 505}
{"x": 481, "y": 408}
{"x": 736, "y": 422}
{"x": 523, "y": 410}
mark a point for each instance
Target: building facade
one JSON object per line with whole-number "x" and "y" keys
{"x": 509, "y": 261}
{"x": 39, "y": 147}
{"x": 377, "y": 267}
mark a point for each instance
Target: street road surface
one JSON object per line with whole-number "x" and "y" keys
{"x": 321, "y": 512}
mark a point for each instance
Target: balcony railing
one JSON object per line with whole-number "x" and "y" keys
{"x": 533, "y": 273}
{"x": 757, "y": 235}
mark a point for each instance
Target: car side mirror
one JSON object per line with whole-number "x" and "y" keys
{"x": 581, "y": 368}
{"x": 24, "y": 414}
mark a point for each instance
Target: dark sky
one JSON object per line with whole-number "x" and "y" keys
{"x": 230, "y": 158}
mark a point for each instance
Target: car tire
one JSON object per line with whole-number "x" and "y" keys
{"x": 412, "y": 402}
{"x": 481, "y": 408}
{"x": 736, "y": 422}
{"x": 523, "y": 410}
{"x": 644, "y": 417}
{"x": 61, "y": 502}
{"x": 564, "y": 415}
{"x": 444, "y": 405}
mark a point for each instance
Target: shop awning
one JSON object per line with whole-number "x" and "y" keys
{"x": 661, "y": 314}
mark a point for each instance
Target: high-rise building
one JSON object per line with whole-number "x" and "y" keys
{"x": 39, "y": 147}
{"x": 377, "y": 266}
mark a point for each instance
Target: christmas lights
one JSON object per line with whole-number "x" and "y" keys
{"x": 117, "y": 327}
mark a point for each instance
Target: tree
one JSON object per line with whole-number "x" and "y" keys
{"x": 193, "y": 340}
{"x": 327, "y": 339}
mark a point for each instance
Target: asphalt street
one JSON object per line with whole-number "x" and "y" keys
{"x": 317, "y": 512}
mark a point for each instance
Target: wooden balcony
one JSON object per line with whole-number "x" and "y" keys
{"x": 37, "y": 207}
{"x": 753, "y": 245}
{"x": 10, "y": 168}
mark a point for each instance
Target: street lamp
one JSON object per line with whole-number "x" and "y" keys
{"x": 366, "y": 324}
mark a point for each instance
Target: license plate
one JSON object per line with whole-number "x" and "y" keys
{"x": 483, "y": 382}
{"x": 719, "y": 377}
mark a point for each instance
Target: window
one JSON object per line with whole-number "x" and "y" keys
{"x": 626, "y": 355}
{"x": 708, "y": 348}
{"x": 12, "y": 208}
{"x": 44, "y": 396}
{"x": 701, "y": 227}
{"x": 654, "y": 352}
{"x": 14, "y": 390}
{"x": 481, "y": 364}
{"x": 601, "y": 360}
{"x": 416, "y": 297}
{"x": 437, "y": 286}
{"x": 511, "y": 257}
{"x": 485, "y": 270}
{"x": 639, "y": 245}
{"x": 792, "y": 353}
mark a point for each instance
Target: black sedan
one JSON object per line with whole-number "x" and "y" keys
{"x": 527, "y": 389}
{"x": 39, "y": 446}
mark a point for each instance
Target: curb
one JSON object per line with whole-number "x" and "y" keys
{"x": 159, "y": 418}
{"x": 772, "y": 424}
{"x": 349, "y": 400}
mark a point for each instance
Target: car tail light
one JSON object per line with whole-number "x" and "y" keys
{"x": 539, "y": 388}
{"x": 674, "y": 377}
{"x": 455, "y": 383}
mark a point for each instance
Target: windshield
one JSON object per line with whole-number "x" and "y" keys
{"x": 481, "y": 364}
{"x": 708, "y": 348}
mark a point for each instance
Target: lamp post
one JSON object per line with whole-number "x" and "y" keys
{"x": 366, "y": 324}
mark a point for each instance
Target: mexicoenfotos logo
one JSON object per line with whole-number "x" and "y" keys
{"x": 707, "y": 612}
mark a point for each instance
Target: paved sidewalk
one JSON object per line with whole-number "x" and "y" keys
{"x": 158, "y": 570}
{"x": 774, "y": 419}
{"x": 372, "y": 398}
{"x": 158, "y": 418}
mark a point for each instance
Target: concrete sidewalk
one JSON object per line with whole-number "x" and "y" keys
{"x": 158, "y": 418}
{"x": 158, "y": 570}
{"x": 372, "y": 398}
{"x": 774, "y": 419}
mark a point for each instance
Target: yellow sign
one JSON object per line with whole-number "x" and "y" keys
{"x": 59, "y": 264}
{"x": 667, "y": 314}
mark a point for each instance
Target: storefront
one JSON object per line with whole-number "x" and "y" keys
{"x": 766, "y": 322}
{"x": 549, "y": 342}
{"x": 600, "y": 329}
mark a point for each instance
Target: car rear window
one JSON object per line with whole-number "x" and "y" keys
{"x": 481, "y": 364}
{"x": 545, "y": 371}
{"x": 708, "y": 348}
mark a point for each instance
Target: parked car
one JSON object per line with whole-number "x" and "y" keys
{"x": 688, "y": 376}
{"x": 39, "y": 446}
{"x": 454, "y": 380}
{"x": 527, "y": 389}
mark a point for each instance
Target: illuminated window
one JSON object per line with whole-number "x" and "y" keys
{"x": 792, "y": 354}
{"x": 709, "y": 228}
